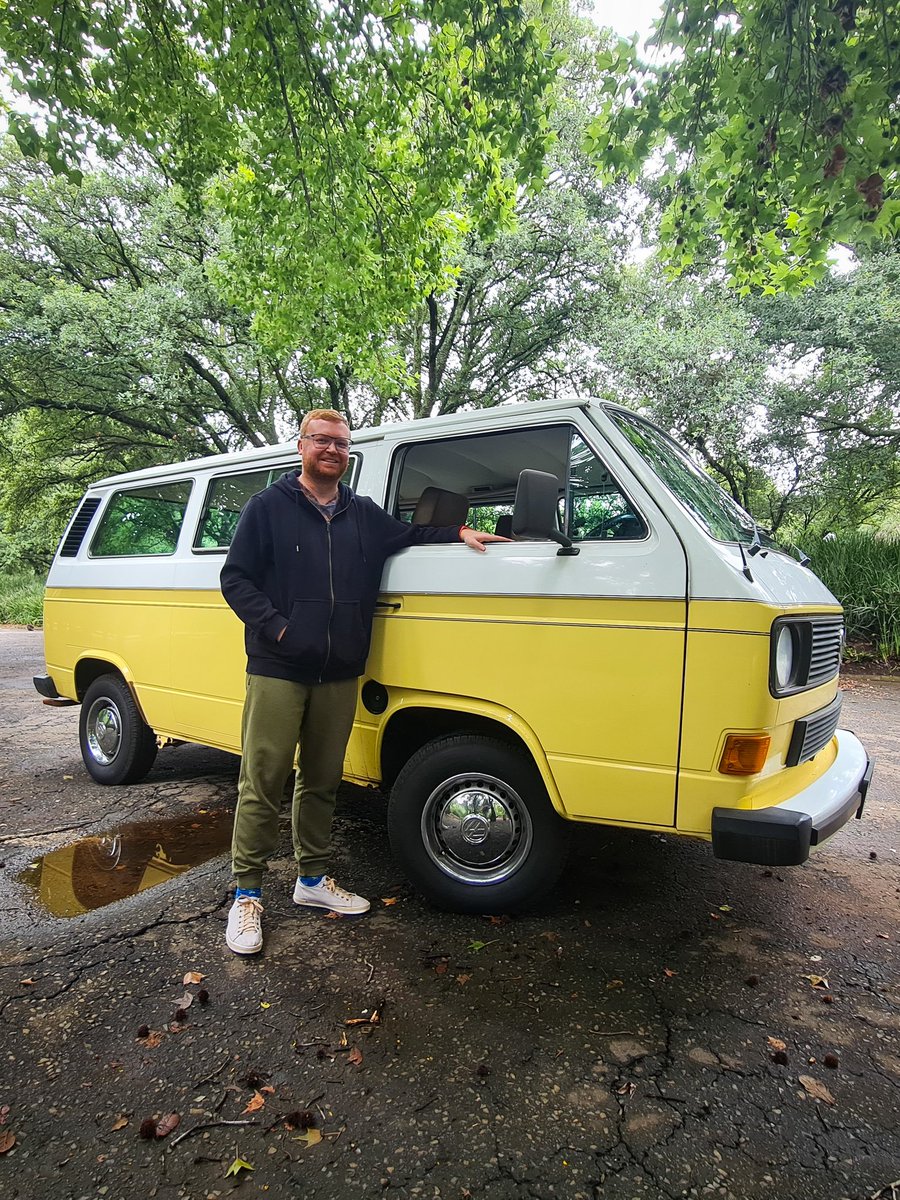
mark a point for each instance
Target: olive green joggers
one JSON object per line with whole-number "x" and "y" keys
{"x": 278, "y": 716}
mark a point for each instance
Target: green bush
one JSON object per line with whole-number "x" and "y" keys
{"x": 863, "y": 571}
{"x": 21, "y": 599}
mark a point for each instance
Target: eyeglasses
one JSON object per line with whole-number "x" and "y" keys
{"x": 322, "y": 441}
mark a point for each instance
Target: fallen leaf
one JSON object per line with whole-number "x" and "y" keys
{"x": 152, "y": 1040}
{"x": 614, "y": 984}
{"x": 27, "y": 982}
{"x": 817, "y": 981}
{"x": 192, "y": 977}
{"x": 355, "y": 1056}
{"x": 343, "y": 1041}
{"x": 669, "y": 972}
{"x": 776, "y": 1043}
{"x": 815, "y": 958}
{"x": 625, "y": 1088}
{"x": 440, "y": 968}
{"x": 368, "y": 1018}
{"x": 70, "y": 777}
{"x": 120, "y": 1122}
{"x": 7, "y": 1141}
{"x": 475, "y": 947}
{"x": 268, "y": 1090}
{"x": 237, "y": 1166}
{"x": 333, "y": 916}
{"x": 389, "y": 899}
{"x": 715, "y": 916}
{"x": 817, "y": 1090}
{"x": 463, "y": 979}
{"x": 310, "y": 1137}
{"x": 503, "y": 919}
{"x": 184, "y": 1001}
{"x": 724, "y": 908}
{"x": 4, "y": 1113}
{"x": 264, "y": 1004}
{"x": 166, "y": 1124}
{"x": 255, "y": 1103}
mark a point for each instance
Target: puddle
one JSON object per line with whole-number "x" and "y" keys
{"x": 97, "y": 871}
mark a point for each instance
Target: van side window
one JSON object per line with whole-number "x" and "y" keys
{"x": 144, "y": 520}
{"x": 225, "y": 497}
{"x": 596, "y": 506}
{"x": 485, "y": 470}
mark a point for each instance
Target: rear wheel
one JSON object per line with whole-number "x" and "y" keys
{"x": 472, "y": 825}
{"x": 116, "y": 745}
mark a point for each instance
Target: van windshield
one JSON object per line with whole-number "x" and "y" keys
{"x": 719, "y": 515}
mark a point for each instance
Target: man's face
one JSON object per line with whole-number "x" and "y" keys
{"x": 323, "y": 464}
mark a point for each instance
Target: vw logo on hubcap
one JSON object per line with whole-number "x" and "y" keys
{"x": 474, "y": 829}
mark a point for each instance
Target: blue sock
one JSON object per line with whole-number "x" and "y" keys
{"x": 310, "y": 880}
{"x": 256, "y": 893}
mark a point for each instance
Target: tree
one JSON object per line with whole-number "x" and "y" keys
{"x": 116, "y": 350}
{"x": 507, "y": 322}
{"x": 343, "y": 138}
{"x": 777, "y": 122}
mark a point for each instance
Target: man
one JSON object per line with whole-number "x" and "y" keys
{"x": 303, "y": 574}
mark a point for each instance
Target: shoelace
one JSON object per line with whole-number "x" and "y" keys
{"x": 249, "y": 909}
{"x": 336, "y": 889}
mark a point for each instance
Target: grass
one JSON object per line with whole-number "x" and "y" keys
{"x": 863, "y": 571}
{"x": 21, "y": 599}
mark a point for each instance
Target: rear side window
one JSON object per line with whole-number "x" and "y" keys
{"x": 225, "y": 497}
{"x": 141, "y": 521}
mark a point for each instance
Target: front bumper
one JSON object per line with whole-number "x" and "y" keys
{"x": 781, "y": 836}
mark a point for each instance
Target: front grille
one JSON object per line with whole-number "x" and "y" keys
{"x": 825, "y": 649}
{"x": 811, "y": 734}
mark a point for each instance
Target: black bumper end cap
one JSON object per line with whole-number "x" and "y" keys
{"x": 768, "y": 837}
{"x": 44, "y": 686}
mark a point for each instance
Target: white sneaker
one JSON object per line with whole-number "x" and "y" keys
{"x": 327, "y": 894}
{"x": 243, "y": 933}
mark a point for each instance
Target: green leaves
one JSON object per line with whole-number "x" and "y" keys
{"x": 754, "y": 105}
{"x": 331, "y": 136}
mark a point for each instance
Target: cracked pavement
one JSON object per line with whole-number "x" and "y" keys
{"x": 615, "y": 1043}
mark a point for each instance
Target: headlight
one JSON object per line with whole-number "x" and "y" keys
{"x": 784, "y": 657}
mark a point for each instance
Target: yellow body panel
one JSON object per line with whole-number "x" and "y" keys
{"x": 593, "y": 687}
{"x": 726, "y": 673}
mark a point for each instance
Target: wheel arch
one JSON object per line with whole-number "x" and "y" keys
{"x": 412, "y": 724}
{"x": 90, "y": 667}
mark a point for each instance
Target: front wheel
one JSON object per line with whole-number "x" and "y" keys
{"x": 116, "y": 745}
{"x": 472, "y": 825}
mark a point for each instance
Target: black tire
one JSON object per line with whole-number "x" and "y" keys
{"x": 500, "y": 850}
{"x": 116, "y": 745}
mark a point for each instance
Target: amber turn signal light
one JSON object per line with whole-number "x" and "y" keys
{"x": 744, "y": 754}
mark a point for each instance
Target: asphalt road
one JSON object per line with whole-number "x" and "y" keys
{"x": 667, "y": 1025}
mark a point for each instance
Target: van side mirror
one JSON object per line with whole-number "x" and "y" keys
{"x": 535, "y": 510}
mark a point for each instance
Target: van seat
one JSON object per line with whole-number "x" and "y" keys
{"x": 437, "y": 506}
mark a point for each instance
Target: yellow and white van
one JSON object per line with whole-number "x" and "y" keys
{"x": 638, "y": 655}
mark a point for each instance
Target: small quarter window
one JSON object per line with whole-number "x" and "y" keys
{"x": 140, "y": 521}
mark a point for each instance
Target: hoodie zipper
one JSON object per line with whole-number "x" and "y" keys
{"x": 330, "y": 575}
{"x": 331, "y": 595}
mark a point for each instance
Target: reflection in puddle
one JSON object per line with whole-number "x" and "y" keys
{"x": 97, "y": 871}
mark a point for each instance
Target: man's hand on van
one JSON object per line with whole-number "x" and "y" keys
{"x": 476, "y": 540}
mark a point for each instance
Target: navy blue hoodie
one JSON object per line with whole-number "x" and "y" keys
{"x": 289, "y": 566}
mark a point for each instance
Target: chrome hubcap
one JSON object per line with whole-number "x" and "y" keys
{"x": 476, "y": 829}
{"x": 104, "y": 730}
